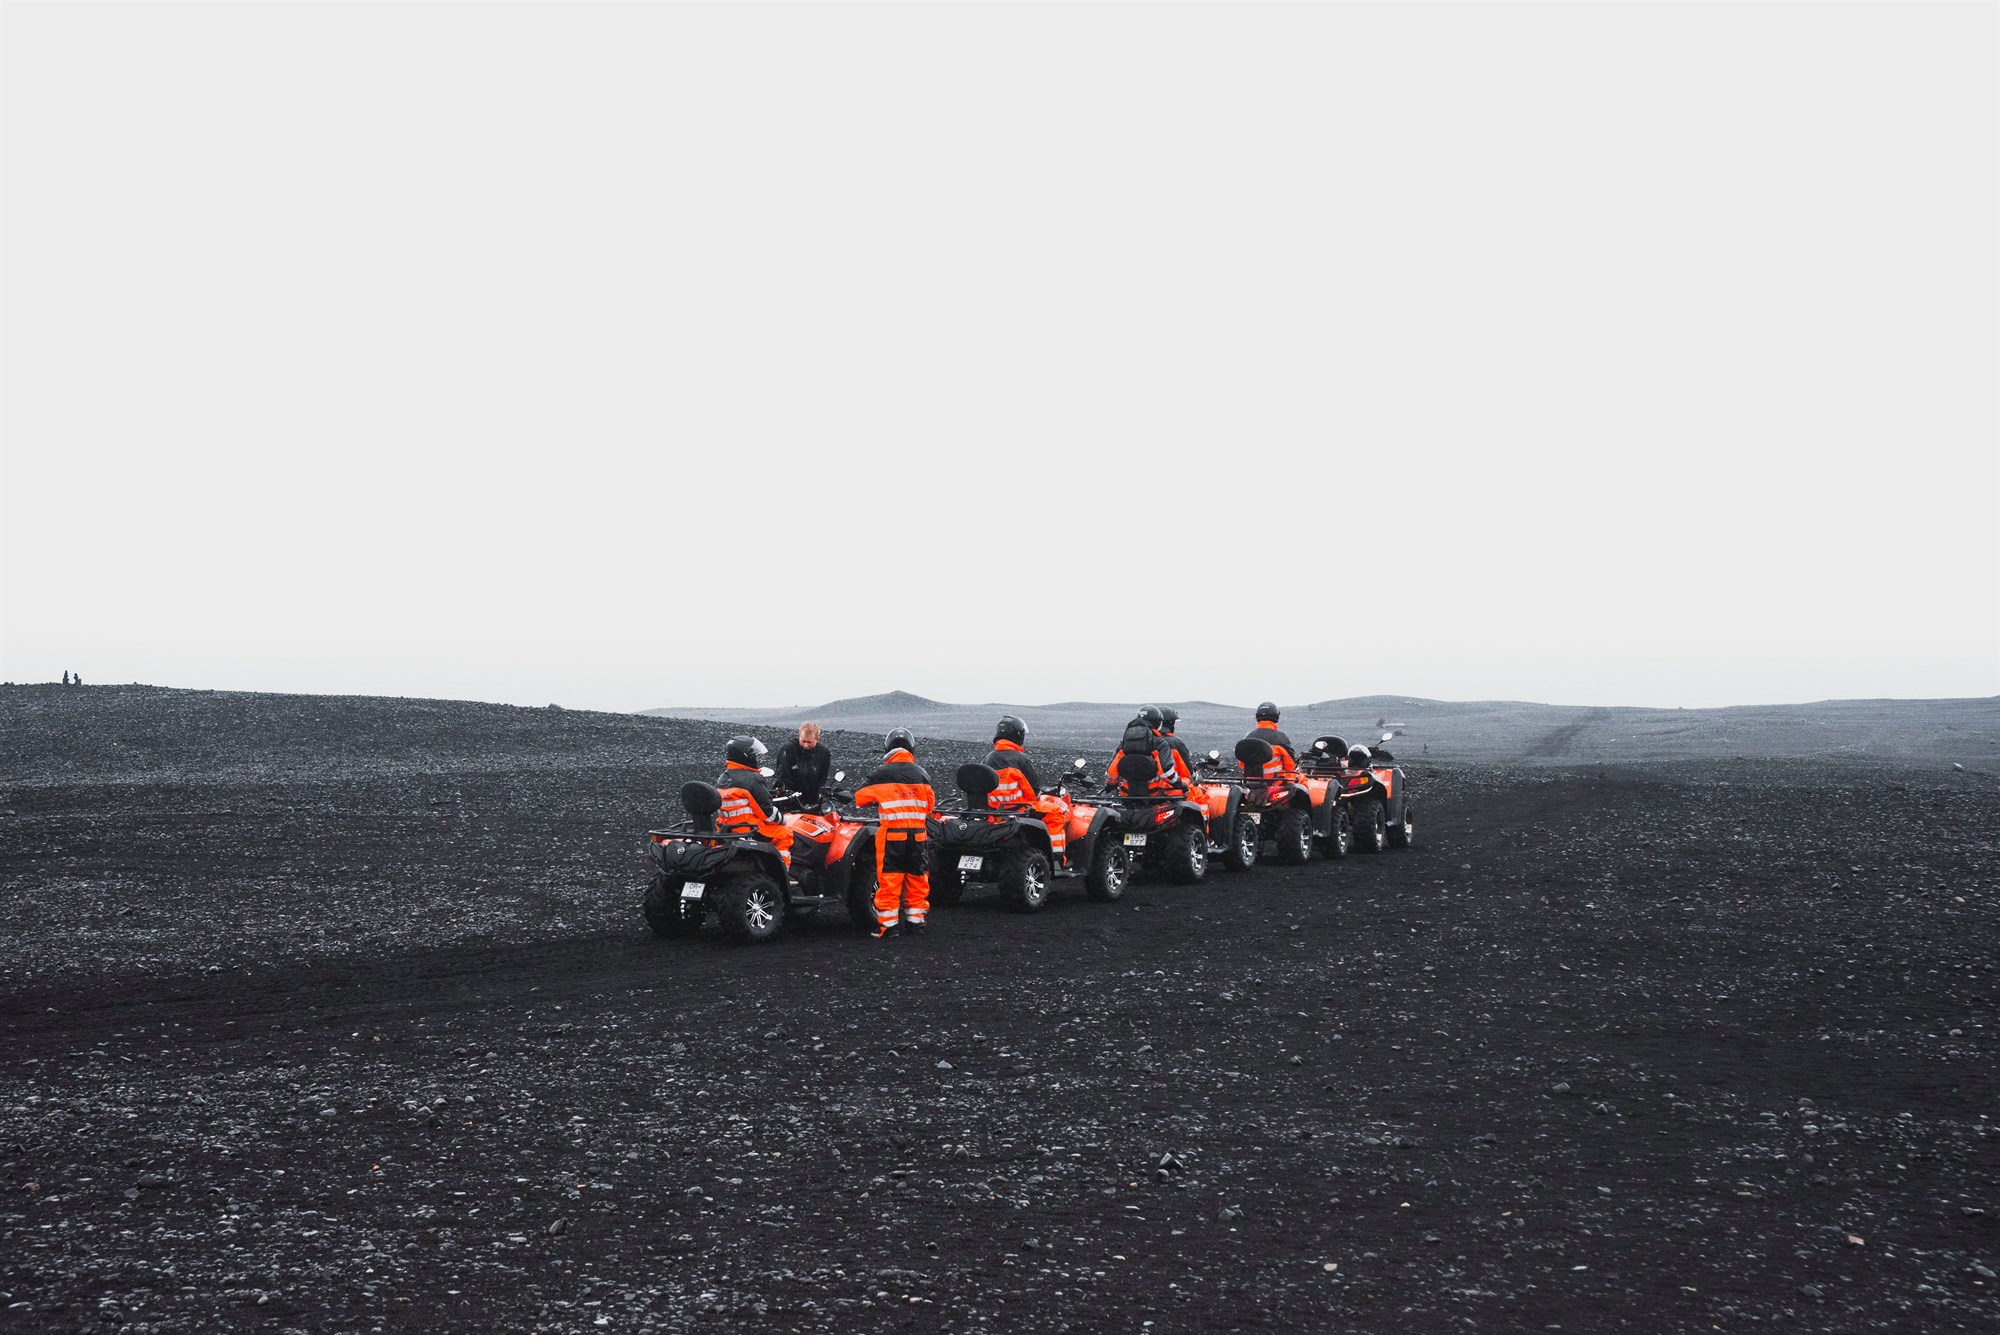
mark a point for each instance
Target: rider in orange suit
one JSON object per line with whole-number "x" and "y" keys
{"x": 746, "y": 796}
{"x": 901, "y": 791}
{"x": 1021, "y": 786}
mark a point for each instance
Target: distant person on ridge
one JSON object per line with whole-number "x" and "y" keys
{"x": 1284, "y": 759}
{"x": 901, "y": 791}
{"x": 746, "y": 797}
{"x": 803, "y": 765}
{"x": 65, "y": 676}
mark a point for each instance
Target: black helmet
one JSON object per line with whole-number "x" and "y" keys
{"x": 746, "y": 750}
{"x": 1171, "y": 717}
{"x": 1358, "y": 757}
{"x": 1010, "y": 729}
{"x": 899, "y": 738}
{"x": 1152, "y": 717}
{"x": 1267, "y": 712}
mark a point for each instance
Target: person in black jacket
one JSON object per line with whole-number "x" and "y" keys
{"x": 803, "y": 765}
{"x": 1172, "y": 719}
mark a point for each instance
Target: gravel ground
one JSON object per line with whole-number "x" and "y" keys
{"x": 328, "y": 1014}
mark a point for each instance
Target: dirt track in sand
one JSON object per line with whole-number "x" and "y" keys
{"x": 378, "y": 1040}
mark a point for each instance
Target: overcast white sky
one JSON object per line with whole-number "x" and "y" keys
{"x": 635, "y": 356}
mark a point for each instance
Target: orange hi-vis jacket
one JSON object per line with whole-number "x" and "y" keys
{"x": 1174, "y": 774}
{"x": 1021, "y": 786}
{"x": 1018, "y": 781}
{"x": 1282, "y": 761}
{"x": 901, "y": 792}
{"x": 746, "y": 805}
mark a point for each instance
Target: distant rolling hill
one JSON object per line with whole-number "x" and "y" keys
{"x": 1962, "y": 731}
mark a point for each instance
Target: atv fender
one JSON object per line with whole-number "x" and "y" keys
{"x": 1082, "y": 848}
{"x": 752, "y": 857}
{"x": 840, "y": 870}
{"x": 1221, "y": 828}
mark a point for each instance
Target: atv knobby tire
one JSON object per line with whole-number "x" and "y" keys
{"x": 1371, "y": 825}
{"x": 1293, "y": 838}
{"x": 1339, "y": 833}
{"x": 1024, "y": 880}
{"x": 666, "y": 912}
{"x": 861, "y": 891}
{"x": 1404, "y": 832}
{"x": 1183, "y": 855}
{"x": 752, "y": 906}
{"x": 1240, "y": 852}
{"x": 1110, "y": 869}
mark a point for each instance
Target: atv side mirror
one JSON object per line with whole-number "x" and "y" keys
{"x": 839, "y": 774}
{"x": 1215, "y": 755}
{"x": 1079, "y": 763}
{"x": 768, "y": 772}
{"x": 1387, "y": 735}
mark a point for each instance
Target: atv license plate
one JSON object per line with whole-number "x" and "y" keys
{"x": 693, "y": 889}
{"x": 1135, "y": 841}
{"x": 1256, "y": 818}
{"x": 971, "y": 863}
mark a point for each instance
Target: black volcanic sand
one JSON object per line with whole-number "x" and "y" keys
{"x": 334, "y": 1014}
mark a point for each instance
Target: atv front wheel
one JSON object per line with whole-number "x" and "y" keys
{"x": 1183, "y": 855}
{"x": 1244, "y": 841}
{"x": 1110, "y": 870}
{"x": 861, "y": 893}
{"x": 1404, "y": 832}
{"x": 1024, "y": 881}
{"x": 753, "y": 906}
{"x": 1294, "y": 838}
{"x": 1371, "y": 825}
{"x": 666, "y": 912}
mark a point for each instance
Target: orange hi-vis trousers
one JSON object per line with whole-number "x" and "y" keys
{"x": 902, "y": 878}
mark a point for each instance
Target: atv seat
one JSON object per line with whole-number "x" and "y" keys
{"x": 977, "y": 782}
{"x": 702, "y": 801}
{"x": 1253, "y": 753}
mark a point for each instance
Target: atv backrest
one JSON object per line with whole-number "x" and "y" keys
{"x": 701, "y": 801}
{"x": 1253, "y": 753}
{"x": 1138, "y": 770}
{"x": 977, "y": 782}
{"x": 1335, "y": 747}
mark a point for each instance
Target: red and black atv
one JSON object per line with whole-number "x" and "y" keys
{"x": 741, "y": 878}
{"x": 1009, "y": 847}
{"x": 1373, "y": 786}
{"x": 1166, "y": 834}
{"x": 1293, "y": 813}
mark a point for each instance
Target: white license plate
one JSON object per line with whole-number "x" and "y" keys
{"x": 1256, "y": 818}
{"x": 971, "y": 863}
{"x": 1135, "y": 841}
{"x": 693, "y": 889}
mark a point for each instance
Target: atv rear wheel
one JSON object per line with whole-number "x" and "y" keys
{"x": 1244, "y": 842}
{"x": 1183, "y": 855}
{"x": 1371, "y": 825}
{"x": 1024, "y": 881}
{"x": 752, "y": 907}
{"x": 1294, "y": 838}
{"x": 861, "y": 892}
{"x": 947, "y": 881}
{"x": 1110, "y": 869}
{"x": 666, "y": 912}
{"x": 1404, "y": 832}
{"x": 1340, "y": 833}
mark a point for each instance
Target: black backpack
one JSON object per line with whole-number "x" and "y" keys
{"x": 1138, "y": 742}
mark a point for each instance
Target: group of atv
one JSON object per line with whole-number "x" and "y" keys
{"x": 1340, "y": 799}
